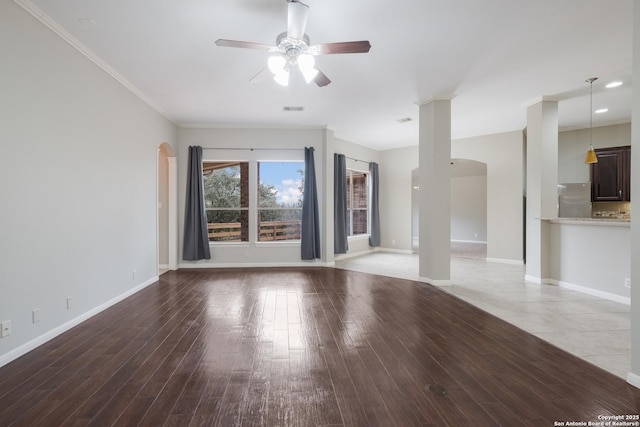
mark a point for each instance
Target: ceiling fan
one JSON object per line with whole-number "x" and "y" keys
{"x": 293, "y": 49}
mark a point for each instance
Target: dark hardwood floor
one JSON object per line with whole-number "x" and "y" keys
{"x": 302, "y": 347}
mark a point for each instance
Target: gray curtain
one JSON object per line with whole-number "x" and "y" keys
{"x": 374, "y": 237}
{"x": 310, "y": 239}
{"x": 196, "y": 237}
{"x": 340, "y": 220}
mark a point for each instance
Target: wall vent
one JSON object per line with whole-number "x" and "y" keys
{"x": 292, "y": 108}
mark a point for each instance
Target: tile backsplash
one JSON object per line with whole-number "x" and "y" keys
{"x": 611, "y": 210}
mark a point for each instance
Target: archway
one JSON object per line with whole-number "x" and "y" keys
{"x": 167, "y": 232}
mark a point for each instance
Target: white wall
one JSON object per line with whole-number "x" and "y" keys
{"x": 573, "y": 146}
{"x": 290, "y": 144}
{"x": 591, "y": 258}
{"x": 395, "y": 197}
{"x": 469, "y": 208}
{"x": 77, "y": 183}
{"x": 634, "y": 375}
{"x": 503, "y": 155}
{"x": 294, "y": 140}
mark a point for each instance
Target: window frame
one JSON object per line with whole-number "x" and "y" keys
{"x": 258, "y": 208}
{"x": 247, "y": 209}
{"x": 350, "y": 209}
{"x": 253, "y": 157}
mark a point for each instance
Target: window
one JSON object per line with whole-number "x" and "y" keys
{"x": 241, "y": 208}
{"x": 226, "y": 196}
{"x": 280, "y": 188}
{"x": 357, "y": 202}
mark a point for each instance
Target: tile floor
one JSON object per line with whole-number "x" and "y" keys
{"x": 592, "y": 328}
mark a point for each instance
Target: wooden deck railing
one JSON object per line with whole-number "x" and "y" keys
{"x": 269, "y": 231}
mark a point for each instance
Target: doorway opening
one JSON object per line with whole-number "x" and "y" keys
{"x": 166, "y": 217}
{"x": 468, "y": 209}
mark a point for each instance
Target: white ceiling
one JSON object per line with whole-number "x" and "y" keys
{"x": 494, "y": 57}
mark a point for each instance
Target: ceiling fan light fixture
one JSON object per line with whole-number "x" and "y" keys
{"x": 282, "y": 78}
{"x": 306, "y": 63}
{"x": 276, "y": 64}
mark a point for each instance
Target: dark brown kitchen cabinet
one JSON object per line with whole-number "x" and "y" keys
{"x": 611, "y": 176}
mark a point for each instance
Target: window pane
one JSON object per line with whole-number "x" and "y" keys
{"x": 226, "y": 184}
{"x": 280, "y": 188}
{"x": 226, "y": 225}
{"x": 360, "y": 221}
{"x": 357, "y": 202}
{"x": 226, "y": 193}
{"x": 280, "y": 184}
{"x": 360, "y": 190}
{"x": 279, "y": 224}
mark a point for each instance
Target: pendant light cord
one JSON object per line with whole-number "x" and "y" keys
{"x": 592, "y": 157}
{"x": 591, "y": 80}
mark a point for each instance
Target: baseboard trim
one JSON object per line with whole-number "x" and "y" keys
{"x": 437, "y": 283}
{"x": 394, "y": 251}
{"x": 633, "y": 379}
{"x": 349, "y": 255}
{"x": 538, "y": 280}
{"x": 38, "y": 341}
{"x": 505, "y": 261}
{"x": 258, "y": 264}
{"x": 593, "y": 292}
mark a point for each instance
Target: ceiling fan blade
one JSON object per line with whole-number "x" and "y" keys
{"x": 297, "y": 19}
{"x": 245, "y": 45}
{"x": 321, "y": 79}
{"x": 362, "y": 46}
{"x": 261, "y": 76}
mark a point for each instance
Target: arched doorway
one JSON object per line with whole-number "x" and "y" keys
{"x": 166, "y": 212}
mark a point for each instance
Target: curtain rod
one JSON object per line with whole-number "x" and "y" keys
{"x": 356, "y": 160}
{"x": 250, "y": 149}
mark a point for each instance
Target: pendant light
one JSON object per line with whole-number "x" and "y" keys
{"x": 591, "y": 154}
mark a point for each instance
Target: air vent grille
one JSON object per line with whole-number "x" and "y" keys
{"x": 292, "y": 108}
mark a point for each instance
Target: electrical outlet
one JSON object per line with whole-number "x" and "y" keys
{"x": 36, "y": 315}
{"x": 133, "y": 274}
{"x": 627, "y": 282}
{"x": 69, "y": 303}
{"x": 5, "y": 328}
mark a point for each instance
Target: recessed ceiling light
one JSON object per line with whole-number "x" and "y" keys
{"x": 613, "y": 84}
{"x": 602, "y": 110}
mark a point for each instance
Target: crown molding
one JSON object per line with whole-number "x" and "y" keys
{"x": 51, "y": 24}
{"x": 543, "y": 98}
{"x": 269, "y": 126}
{"x": 435, "y": 98}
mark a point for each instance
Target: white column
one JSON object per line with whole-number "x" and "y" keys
{"x": 542, "y": 185}
{"x": 634, "y": 376}
{"x": 435, "y": 192}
